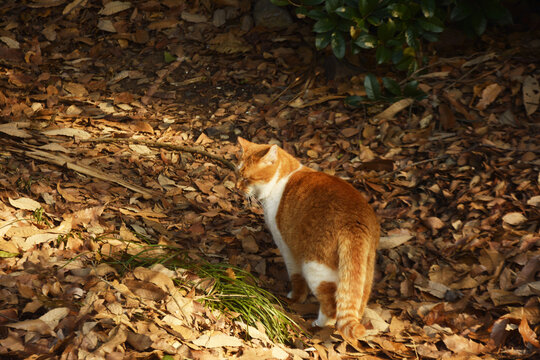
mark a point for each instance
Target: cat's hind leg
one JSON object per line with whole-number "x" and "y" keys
{"x": 322, "y": 280}
{"x": 299, "y": 291}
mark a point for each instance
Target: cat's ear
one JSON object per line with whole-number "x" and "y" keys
{"x": 244, "y": 144}
{"x": 271, "y": 156}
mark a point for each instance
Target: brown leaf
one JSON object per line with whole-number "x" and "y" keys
{"x": 446, "y": 117}
{"x": 140, "y": 342}
{"x": 390, "y": 112}
{"x": 75, "y": 89}
{"x": 434, "y": 223}
{"x": 25, "y": 203}
{"x": 489, "y": 94}
{"x": 514, "y": 218}
{"x": 531, "y": 94}
{"x": 459, "y": 344}
{"x": 37, "y": 325}
{"x": 155, "y": 277}
{"x": 145, "y": 290}
{"x": 527, "y": 334}
{"x": 217, "y": 339}
{"x": 114, "y": 7}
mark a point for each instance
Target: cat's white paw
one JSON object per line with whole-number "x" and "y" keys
{"x": 323, "y": 320}
{"x": 289, "y": 295}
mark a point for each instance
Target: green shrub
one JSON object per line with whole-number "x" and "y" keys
{"x": 395, "y": 29}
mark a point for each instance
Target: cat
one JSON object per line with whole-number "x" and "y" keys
{"x": 324, "y": 228}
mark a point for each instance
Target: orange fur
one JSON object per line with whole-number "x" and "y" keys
{"x": 322, "y": 225}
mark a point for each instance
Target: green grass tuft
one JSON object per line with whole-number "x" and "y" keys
{"x": 232, "y": 291}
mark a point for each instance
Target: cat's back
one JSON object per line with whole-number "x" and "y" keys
{"x": 308, "y": 187}
{"x": 316, "y": 209}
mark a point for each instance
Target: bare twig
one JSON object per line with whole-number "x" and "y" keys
{"x": 162, "y": 145}
{"x": 412, "y": 165}
{"x": 157, "y": 83}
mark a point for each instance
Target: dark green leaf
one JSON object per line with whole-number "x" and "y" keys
{"x": 462, "y": 10}
{"x": 397, "y": 55}
{"x": 367, "y": 6}
{"x": 411, "y": 90}
{"x": 399, "y": 10}
{"x": 430, "y": 26}
{"x": 280, "y": 2}
{"x": 411, "y": 38}
{"x": 428, "y": 7}
{"x": 312, "y": 2}
{"x": 347, "y": 12}
{"x": 404, "y": 63}
{"x": 386, "y": 31}
{"x": 322, "y": 40}
{"x": 331, "y": 5}
{"x": 392, "y": 86}
{"x": 373, "y": 89}
{"x": 431, "y": 37}
{"x": 479, "y": 23}
{"x": 354, "y": 101}
{"x": 338, "y": 44}
{"x": 382, "y": 54}
{"x": 315, "y": 14}
{"x": 324, "y": 25}
{"x": 366, "y": 41}
{"x": 496, "y": 12}
{"x": 374, "y": 20}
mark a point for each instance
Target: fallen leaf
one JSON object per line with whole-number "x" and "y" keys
{"x": 394, "y": 240}
{"x": 53, "y": 317}
{"x": 155, "y": 277}
{"x": 25, "y": 203}
{"x": 114, "y": 7}
{"x": 531, "y": 94}
{"x": 459, "y": 344}
{"x": 76, "y": 133}
{"x": 217, "y": 340}
{"x": 194, "y": 18}
{"x": 36, "y": 325}
{"x": 489, "y": 94}
{"x": 446, "y": 117}
{"x": 390, "y": 112}
{"x": 348, "y": 132}
{"x": 14, "y": 129}
{"x": 75, "y": 89}
{"x": 527, "y": 334}
{"x": 434, "y": 223}
{"x": 514, "y": 218}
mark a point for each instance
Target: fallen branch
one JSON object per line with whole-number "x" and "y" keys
{"x": 162, "y": 145}
{"x": 65, "y": 161}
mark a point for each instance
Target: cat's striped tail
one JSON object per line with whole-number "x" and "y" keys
{"x": 356, "y": 252}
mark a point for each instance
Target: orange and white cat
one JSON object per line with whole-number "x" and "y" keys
{"x": 323, "y": 227}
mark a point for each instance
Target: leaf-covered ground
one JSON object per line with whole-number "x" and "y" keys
{"x": 91, "y": 220}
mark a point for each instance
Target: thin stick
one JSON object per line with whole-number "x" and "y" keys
{"x": 412, "y": 165}
{"x": 163, "y": 145}
{"x": 157, "y": 83}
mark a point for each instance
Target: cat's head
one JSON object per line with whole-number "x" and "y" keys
{"x": 257, "y": 167}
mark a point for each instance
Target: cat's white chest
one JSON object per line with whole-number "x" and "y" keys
{"x": 274, "y": 192}
{"x": 271, "y": 206}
